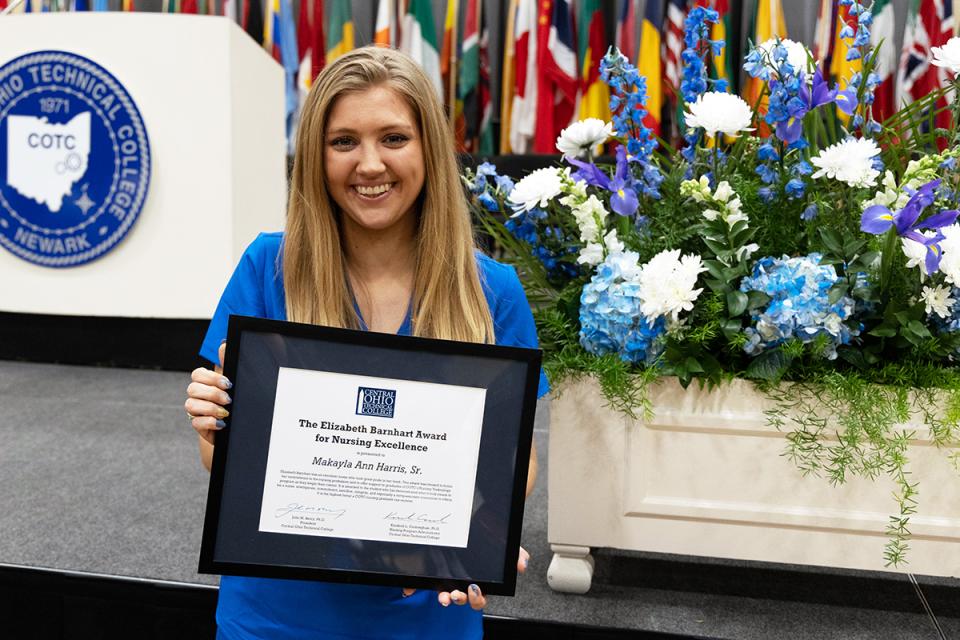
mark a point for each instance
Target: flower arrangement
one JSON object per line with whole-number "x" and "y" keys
{"x": 796, "y": 242}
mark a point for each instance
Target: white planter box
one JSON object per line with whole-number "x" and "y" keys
{"x": 706, "y": 477}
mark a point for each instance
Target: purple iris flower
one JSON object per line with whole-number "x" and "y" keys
{"x": 879, "y": 219}
{"x": 791, "y": 129}
{"x": 624, "y": 199}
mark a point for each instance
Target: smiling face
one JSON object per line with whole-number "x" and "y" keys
{"x": 373, "y": 161}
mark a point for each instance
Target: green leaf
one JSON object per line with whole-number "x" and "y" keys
{"x": 770, "y": 365}
{"x": 731, "y": 328}
{"x": 736, "y": 303}
{"x": 836, "y": 293}
{"x": 919, "y": 329}
{"x": 757, "y": 299}
{"x": 693, "y": 365}
{"x": 714, "y": 268}
{"x": 883, "y": 331}
{"x": 831, "y": 240}
{"x": 853, "y": 356}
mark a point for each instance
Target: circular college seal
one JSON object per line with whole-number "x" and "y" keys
{"x": 74, "y": 159}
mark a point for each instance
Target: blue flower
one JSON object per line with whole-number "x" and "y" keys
{"x": 799, "y": 307}
{"x": 611, "y": 321}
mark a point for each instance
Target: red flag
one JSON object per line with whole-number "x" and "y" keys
{"x": 304, "y": 30}
{"x": 626, "y": 30}
{"x": 188, "y": 6}
{"x": 929, "y": 25}
{"x": 319, "y": 45}
{"x": 557, "y": 68}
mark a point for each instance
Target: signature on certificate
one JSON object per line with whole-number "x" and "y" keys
{"x": 301, "y": 509}
{"x": 413, "y": 516}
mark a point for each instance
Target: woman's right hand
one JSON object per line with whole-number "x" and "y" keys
{"x": 207, "y": 399}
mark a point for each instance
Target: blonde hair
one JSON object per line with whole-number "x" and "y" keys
{"x": 448, "y": 300}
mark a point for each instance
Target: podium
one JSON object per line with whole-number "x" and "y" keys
{"x": 212, "y": 106}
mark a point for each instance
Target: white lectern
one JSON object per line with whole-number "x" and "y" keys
{"x": 212, "y": 103}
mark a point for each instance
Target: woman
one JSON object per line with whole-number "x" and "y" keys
{"x": 377, "y": 238}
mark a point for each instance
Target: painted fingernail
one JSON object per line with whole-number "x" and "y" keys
{"x": 222, "y": 413}
{"x": 225, "y": 384}
{"x": 227, "y": 399}
{"x": 475, "y": 590}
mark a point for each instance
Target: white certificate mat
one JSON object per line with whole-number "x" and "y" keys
{"x": 372, "y": 458}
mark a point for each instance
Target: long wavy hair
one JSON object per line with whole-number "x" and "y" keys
{"x": 448, "y": 300}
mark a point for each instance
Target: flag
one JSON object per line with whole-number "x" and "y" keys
{"x": 881, "y": 36}
{"x": 627, "y": 29}
{"x": 823, "y": 33}
{"x": 557, "y": 75}
{"x": 673, "y": 45}
{"x": 649, "y": 63}
{"x": 767, "y": 22}
{"x": 722, "y": 67}
{"x": 448, "y": 58}
{"x": 594, "y": 95}
{"x": 507, "y": 78}
{"x": 385, "y": 28}
{"x": 523, "y": 115}
{"x": 252, "y": 19}
{"x": 419, "y": 40}
{"x": 929, "y": 24}
{"x": 128, "y": 5}
{"x": 270, "y": 28}
{"x": 188, "y": 6}
{"x": 230, "y": 10}
{"x": 80, "y": 5}
{"x": 318, "y": 46}
{"x": 285, "y": 42}
{"x": 466, "y": 125}
{"x": 339, "y": 30}
{"x": 486, "y": 146}
{"x": 101, "y": 5}
{"x": 305, "y": 39}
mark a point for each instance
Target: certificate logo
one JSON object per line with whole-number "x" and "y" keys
{"x": 74, "y": 159}
{"x": 376, "y": 402}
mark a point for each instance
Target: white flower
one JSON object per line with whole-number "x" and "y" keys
{"x": 592, "y": 254}
{"x": 612, "y": 244}
{"x": 724, "y": 192}
{"x": 711, "y": 214}
{"x": 626, "y": 263}
{"x": 720, "y": 112}
{"x": 590, "y": 216}
{"x": 580, "y": 137}
{"x": 535, "y": 190}
{"x": 916, "y": 253}
{"x": 850, "y": 161}
{"x": 950, "y": 257}
{"x": 667, "y": 285}
{"x": 797, "y": 54}
{"x": 744, "y": 252}
{"x": 948, "y": 56}
{"x": 937, "y": 300}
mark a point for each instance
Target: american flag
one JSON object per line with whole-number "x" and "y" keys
{"x": 673, "y": 44}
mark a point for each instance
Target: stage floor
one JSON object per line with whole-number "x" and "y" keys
{"x": 99, "y": 473}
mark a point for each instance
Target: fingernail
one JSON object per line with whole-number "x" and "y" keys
{"x": 526, "y": 561}
{"x": 222, "y": 413}
{"x": 225, "y": 384}
{"x": 475, "y": 589}
{"x": 445, "y": 603}
{"x": 222, "y": 341}
{"x": 227, "y": 399}
{"x": 221, "y": 424}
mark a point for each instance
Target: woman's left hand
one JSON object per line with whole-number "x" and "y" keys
{"x": 474, "y": 597}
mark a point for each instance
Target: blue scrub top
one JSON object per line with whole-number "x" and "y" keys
{"x": 281, "y": 609}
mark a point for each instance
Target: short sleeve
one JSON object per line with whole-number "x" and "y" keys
{"x": 512, "y": 320}
{"x": 243, "y": 296}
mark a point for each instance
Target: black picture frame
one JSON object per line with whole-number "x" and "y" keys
{"x": 232, "y": 543}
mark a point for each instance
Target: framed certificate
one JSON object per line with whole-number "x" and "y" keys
{"x": 362, "y": 457}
